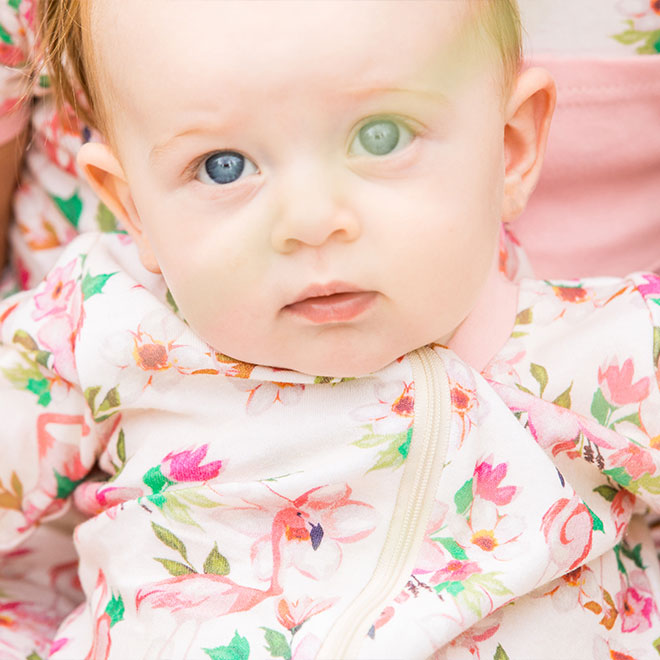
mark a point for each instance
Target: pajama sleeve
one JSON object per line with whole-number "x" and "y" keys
{"x": 627, "y": 404}
{"x": 49, "y": 440}
{"x": 16, "y": 43}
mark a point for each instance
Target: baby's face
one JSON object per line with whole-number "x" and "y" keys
{"x": 320, "y": 182}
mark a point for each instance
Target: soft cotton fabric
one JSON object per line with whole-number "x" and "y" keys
{"x": 245, "y": 508}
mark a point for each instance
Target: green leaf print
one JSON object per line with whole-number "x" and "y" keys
{"x": 175, "y": 568}
{"x": 65, "y": 486}
{"x": 564, "y": 399}
{"x": 632, "y": 419}
{"x": 619, "y": 475}
{"x": 649, "y": 483}
{"x": 156, "y": 480}
{"x": 278, "y": 647}
{"x": 33, "y": 656}
{"x": 463, "y": 498}
{"x": 24, "y": 339}
{"x": 656, "y": 645}
{"x": 4, "y": 35}
{"x": 600, "y": 408}
{"x": 93, "y": 284}
{"x": 90, "y": 396}
{"x": 635, "y": 554}
{"x": 121, "y": 446}
{"x": 171, "y": 302}
{"x": 404, "y": 447}
{"x": 170, "y": 539}
{"x": 607, "y": 492}
{"x": 500, "y": 653}
{"x": 525, "y": 317}
{"x": 193, "y": 496}
{"x": 175, "y": 509}
{"x": 41, "y": 388}
{"x": 238, "y": 649}
{"x": 14, "y": 4}
{"x": 115, "y": 610}
{"x": 597, "y": 522}
{"x": 216, "y": 563}
{"x": 452, "y": 547}
{"x": 71, "y": 208}
{"x": 540, "y": 375}
{"x": 656, "y": 344}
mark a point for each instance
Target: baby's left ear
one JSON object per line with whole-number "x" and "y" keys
{"x": 528, "y": 114}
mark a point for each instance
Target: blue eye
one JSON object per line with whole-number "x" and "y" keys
{"x": 224, "y": 167}
{"x": 380, "y": 137}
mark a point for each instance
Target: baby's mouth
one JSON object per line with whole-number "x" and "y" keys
{"x": 332, "y": 303}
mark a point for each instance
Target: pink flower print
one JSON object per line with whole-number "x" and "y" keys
{"x": 186, "y": 466}
{"x": 618, "y": 388}
{"x": 266, "y": 394}
{"x": 487, "y": 481}
{"x": 644, "y": 13}
{"x": 59, "y": 335}
{"x": 291, "y": 614}
{"x": 488, "y": 532}
{"x": 568, "y": 528}
{"x": 392, "y": 409}
{"x": 651, "y": 286}
{"x": 635, "y": 460}
{"x": 635, "y": 603}
{"x": 54, "y": 294}
{"x": 307, "y": 533}
{"x": 93, "y": 497}
{"x": 455, "y": 571}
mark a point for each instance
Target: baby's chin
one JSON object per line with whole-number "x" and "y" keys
{"x": 341, "y": 364}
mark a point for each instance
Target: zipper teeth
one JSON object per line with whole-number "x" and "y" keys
{"x": 396, "y": 554}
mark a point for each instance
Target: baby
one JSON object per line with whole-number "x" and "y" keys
{"x": 280, "y": 374}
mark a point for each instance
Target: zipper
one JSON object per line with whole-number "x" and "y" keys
{"x": 412, "y": 510}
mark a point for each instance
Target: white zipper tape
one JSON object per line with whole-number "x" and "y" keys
{"x": 412, "y": 510}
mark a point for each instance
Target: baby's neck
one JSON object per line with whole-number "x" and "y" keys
{"x": 490, "y": 323}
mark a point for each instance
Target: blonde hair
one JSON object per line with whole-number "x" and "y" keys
{"x": 64, "y": 50}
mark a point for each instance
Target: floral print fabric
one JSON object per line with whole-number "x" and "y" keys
{"x": 257, "y": 500}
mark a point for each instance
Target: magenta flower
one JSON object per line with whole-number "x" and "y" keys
{"x": 617, "y": 384}
{"x": 651, "y": 287}
{"x": 487, "y": 481}
{"x": 185, "y": 465}
{"x": 635, "y": 610}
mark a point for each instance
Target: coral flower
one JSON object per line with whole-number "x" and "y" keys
{"x": 487, "y": 482}
{"x": 617, "y": 384}
{"x": 291, "y": 614}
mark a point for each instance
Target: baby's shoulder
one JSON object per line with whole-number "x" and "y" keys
{"x": 576, "y": 342}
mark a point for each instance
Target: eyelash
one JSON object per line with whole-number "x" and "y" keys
{"x": 414, "y": 128}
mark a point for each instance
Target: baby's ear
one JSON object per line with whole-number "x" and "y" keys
{"x": 107, "y": 178}
{"x": 528, "y": 114}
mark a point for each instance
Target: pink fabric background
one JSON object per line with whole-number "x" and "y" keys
{"x": 596, "y": 210}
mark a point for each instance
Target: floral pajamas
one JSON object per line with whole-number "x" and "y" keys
{"x": 424, "y": 510}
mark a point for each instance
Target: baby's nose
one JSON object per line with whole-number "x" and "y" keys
{"x": 313, "y": 210}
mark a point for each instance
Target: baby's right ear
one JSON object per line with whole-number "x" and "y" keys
{"x": 106, "y": 176}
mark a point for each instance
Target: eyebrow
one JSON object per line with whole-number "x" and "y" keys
{"x": 357, "y": 94}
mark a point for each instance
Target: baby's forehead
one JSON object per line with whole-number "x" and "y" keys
{"x": 234, "y": 55}
{"x": 251, "y": 38}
